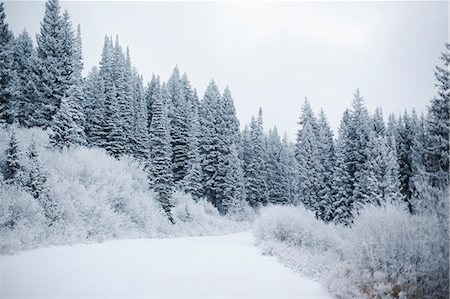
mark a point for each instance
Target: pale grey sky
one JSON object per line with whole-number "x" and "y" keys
{"x": 272, "y": 54}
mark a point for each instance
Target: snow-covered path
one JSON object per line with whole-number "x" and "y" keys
{"x": 218, "y": 266}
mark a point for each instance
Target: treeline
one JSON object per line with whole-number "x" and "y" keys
{"x": 196, "y": 145}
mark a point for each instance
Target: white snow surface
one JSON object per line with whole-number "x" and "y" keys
{"x": 213, "y": 266}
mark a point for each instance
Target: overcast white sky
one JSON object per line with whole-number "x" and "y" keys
{"x": 272, "y": 54}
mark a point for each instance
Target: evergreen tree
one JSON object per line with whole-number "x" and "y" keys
{"x": 54, "y": 46}
{"x": 35, "y": 182}
{"x": 12, "y": 169}
{"x": 276, "y": 171}
{"x": 255, "y": 169}
{"x": 140, "y": 140}
{"x": 326, "y": 154}
{"x": 233, "y": 188}
{"x": 179, "y": 127}
{"x": 342, "y": 176}
{"x": 437, "y": 127}
{"x": 25, "y": 71}
{"x": 65, "y": 131}
{"x": 209, "y": 142}
{"x": 160, "y": 163}
{"x": 6, "y": 70}
{"x": 149, "y": 94}
{"x": 94, "y": 106}
{"x": 192, "y": 182}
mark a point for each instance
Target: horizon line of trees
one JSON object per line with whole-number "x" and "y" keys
{"x": 196, "y": 145}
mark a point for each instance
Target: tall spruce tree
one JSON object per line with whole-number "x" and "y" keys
{"x": 12, "y": 168}
{"x": 160, "y": 169}
{"x": 94, "y": 105}
{"x": 255, "y": 169}
{"x": 6, "y": 70}
{"x": 65, "y": 132}
{"x": 437, "y": 127}
{"x": 25, "y": 96}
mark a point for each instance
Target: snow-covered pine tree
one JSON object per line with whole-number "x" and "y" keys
{"x": 160, "y": 169}
{"x": 141, "y": 142}
{"x": 6, "y": 70}
{"x": 227, "y": 132}
{"x": 192, "y": 182}
{"x": 342, "y": 177}
{"x": 111, "y": 127}
{"x": 308, "y": 160}
{"x": 65, "y": 132}
{"x": 25, "y": 71}
{"x": 122, "y": 80}
{"x": 378, "y": 122}
{"x": 94, "y": 101}
{"x": 209, "y": 141}
{"x": 326, "y": 151}
{"x": 437, "y": 127}
{"x": 35, "y": 183}
{"x": 276, "y": 171}
{"x": 12, "y": 168}
{"x": 359, "y": 137}
{"x": 149, "y": 91}
{"x": 54, "y": 63}
{"x": 255, "y": 170}
{"x": 179, "y": 127}
{"x": 233, "y": 201}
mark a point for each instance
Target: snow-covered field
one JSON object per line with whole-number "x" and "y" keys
{"x": 217, "y": 266}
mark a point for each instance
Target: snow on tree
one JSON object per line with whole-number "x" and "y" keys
{"x": 437, "y": 127}
{"x": 308, "y": 161}
{"x": 12, "y": 168}
{"x": 342, "y": 176}
{"x": 65, "y": 132}
{"x": 276, "y": 169}
{"x": 326, "y": 153}
{"x": 209, "y": 142}
{"x": 54, "y": 63}
{"x": 140, "y": 140}
{"x": 25, "y": 96}
{"x": 149, "y": 94}
{"x": 160, "y": 168}
{"x": 35, "y": 183}
{"x": 192, "y": 182}
{"x": 378, "y": 122}
{"x": 179, "y": 126}
{"x": 255, "y": 169}
{"x": 233, "y": 201}
{"x": 94, "y": 102}
{"x": 6, "y": 70}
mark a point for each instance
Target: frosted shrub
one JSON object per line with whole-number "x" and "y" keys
{"x": 386, "y": 253}
{"x": 200, "y": 218}
{"x": 22, "y": 220}
{"x": 409, "y": 251}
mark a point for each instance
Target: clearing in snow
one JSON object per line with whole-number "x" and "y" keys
{"x": 216, "y": 266}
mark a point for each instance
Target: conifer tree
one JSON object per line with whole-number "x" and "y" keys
{"x": 25, "y": 71}
{"x": 6, "y": 70}
{"x": 94, "y": 106}
{"x": 140, "y": 140}
{"x": 65, "y": 131}
{"x": 54, "y": 44}
{"x": 437, "y": 127}
{"x": 255, "y": 169}
{"x": 35, "y": 182}
{"x": 160, "y": 172}
{"x": 179, "y": 126}
{"x": 192, "y": 182}
{"x": 12, "y": 168}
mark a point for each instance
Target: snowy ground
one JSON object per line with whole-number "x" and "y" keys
{"x": 218, "y": 266}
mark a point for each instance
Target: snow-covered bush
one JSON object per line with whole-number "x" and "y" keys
{"x": 21, "y": 220}
{"x": 200, "y": 218}
{"x": 387, "y": 253}
{"x": 96, "y": 197}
